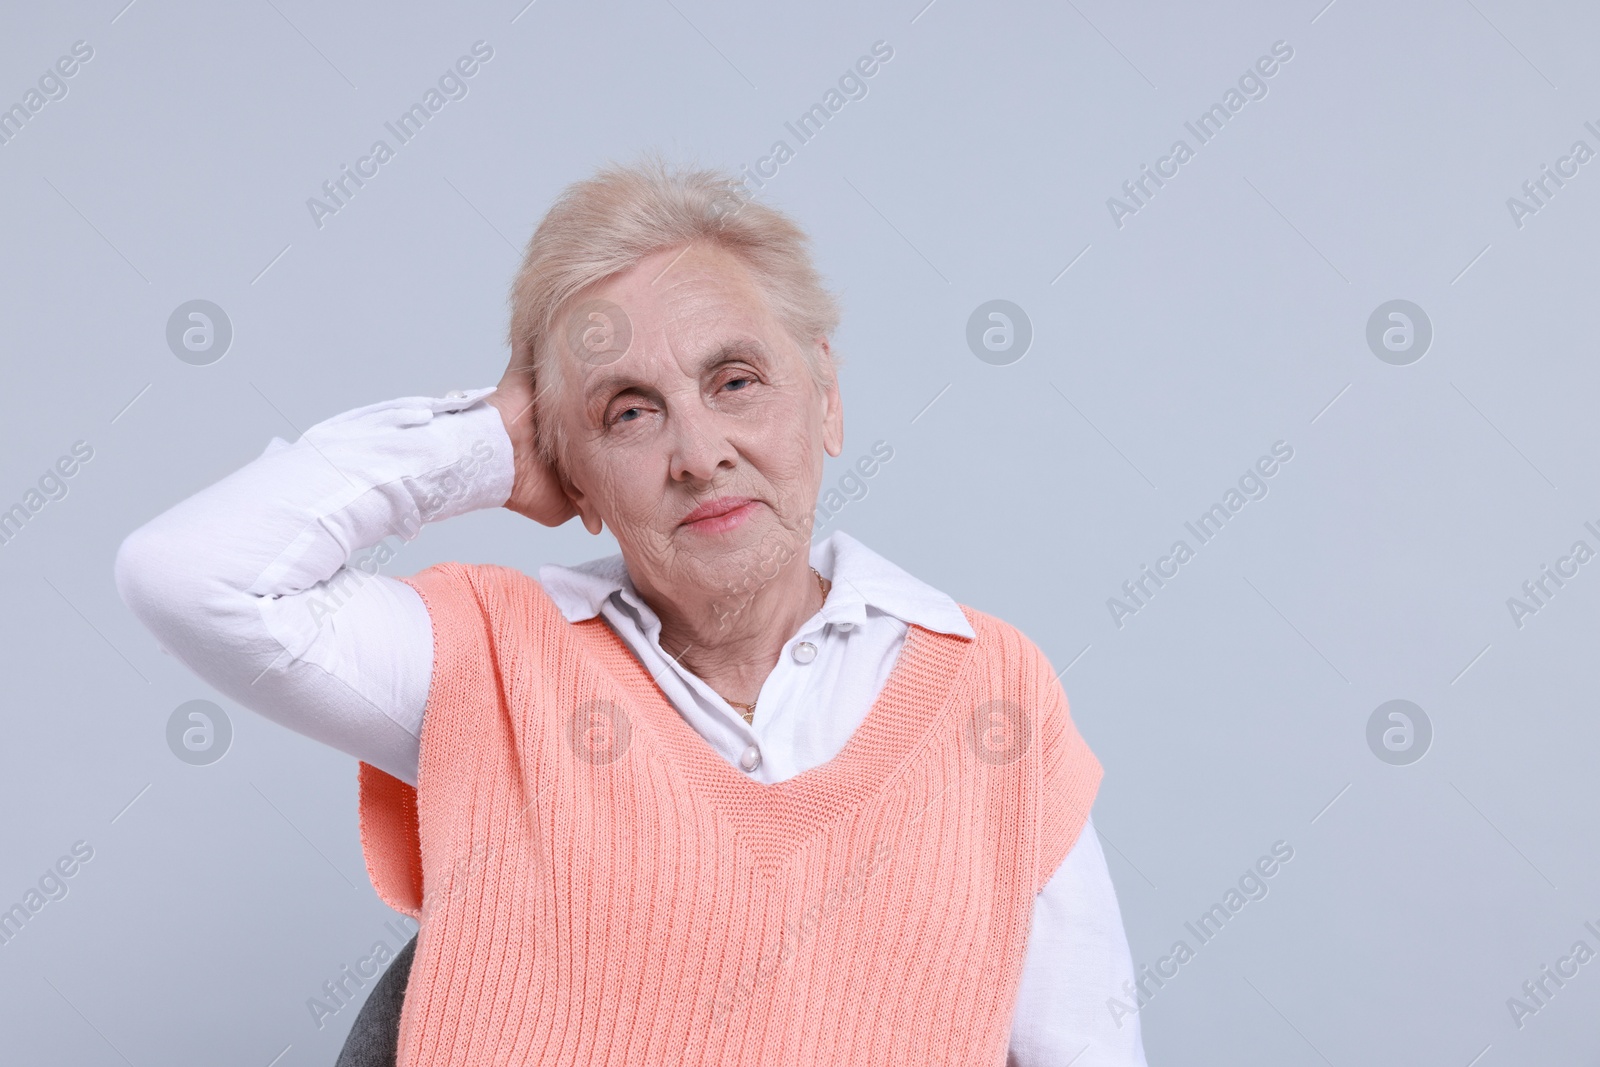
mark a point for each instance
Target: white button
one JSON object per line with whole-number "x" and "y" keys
{"x": 456, "y": 394}
{"x": 751, "y": 759}
{"x": 846, "y": 627}
{"x": 804, "y": 652}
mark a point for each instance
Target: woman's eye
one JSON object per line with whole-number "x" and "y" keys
{"x": 627, "y": 415}
{"x": 738, "y": 383}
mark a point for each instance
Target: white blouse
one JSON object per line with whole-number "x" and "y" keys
{"x": 268, "y": 585}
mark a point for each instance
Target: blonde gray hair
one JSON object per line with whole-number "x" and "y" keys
{"x": 604, "y": 225}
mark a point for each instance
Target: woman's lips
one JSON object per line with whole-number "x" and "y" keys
{"x": 719, "y": 515}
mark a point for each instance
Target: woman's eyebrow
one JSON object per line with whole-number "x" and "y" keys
{"x": 608, "y": 384}
{"x": 743, "y": 348}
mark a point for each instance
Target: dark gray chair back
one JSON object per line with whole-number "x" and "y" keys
{"x": 375, "y": 1038}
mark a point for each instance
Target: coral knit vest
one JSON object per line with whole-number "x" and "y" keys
{"x": 596, "y": 885}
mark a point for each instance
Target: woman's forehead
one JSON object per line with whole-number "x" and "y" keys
{"x": 674, "y": 315}
{"x": 678, "y": 284}
{"x": 683, "y": 307}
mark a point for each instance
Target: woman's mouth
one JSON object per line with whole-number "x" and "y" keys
{"x": 719, "y": 515}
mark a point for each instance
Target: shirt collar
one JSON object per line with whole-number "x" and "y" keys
{"x": 862, "y": 580}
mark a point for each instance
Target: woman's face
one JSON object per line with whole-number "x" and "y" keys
{"x": 694, "y": 428}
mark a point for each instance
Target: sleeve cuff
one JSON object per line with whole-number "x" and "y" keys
{"x": 474, "y": 431}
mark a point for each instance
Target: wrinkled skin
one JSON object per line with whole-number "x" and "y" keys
{"x": 712, "y": 398}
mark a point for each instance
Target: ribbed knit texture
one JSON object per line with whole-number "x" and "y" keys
{"x": 596, "y": 885}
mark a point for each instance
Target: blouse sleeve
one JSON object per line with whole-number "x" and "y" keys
{"x": 263, "y": 583}
{"x": 392, "y": 826}
{"x": 1069, "y": 777}
{"x": 1077, "y": 957}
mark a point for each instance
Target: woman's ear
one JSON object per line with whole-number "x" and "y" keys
{"x": 582, "y": 504}
{"x": 832, "y": 405}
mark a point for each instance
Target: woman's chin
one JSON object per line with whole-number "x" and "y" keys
{"x": 750, "y": 550}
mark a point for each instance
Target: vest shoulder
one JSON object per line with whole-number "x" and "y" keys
{"x": 483, "y": 582}
{"x": 999, "y": 636}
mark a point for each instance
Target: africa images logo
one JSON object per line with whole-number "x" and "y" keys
{"x": 1251, "y": 85}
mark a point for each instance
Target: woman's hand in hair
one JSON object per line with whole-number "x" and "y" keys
{"x": 537, "y": 490}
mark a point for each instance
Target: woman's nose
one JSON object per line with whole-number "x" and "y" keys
{"x": 701, "y": 448}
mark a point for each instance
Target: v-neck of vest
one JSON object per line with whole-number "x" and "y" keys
{"x": 913, "y": 699}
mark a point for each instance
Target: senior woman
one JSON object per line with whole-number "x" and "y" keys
{"x": 727, "y": 797}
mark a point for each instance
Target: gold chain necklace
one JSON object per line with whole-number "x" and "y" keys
{"x": 749, "y": 710}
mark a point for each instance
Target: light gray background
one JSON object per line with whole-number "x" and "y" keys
{"x": 1230, "y": 313}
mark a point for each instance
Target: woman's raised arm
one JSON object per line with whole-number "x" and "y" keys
{"x": 256, "y": 585}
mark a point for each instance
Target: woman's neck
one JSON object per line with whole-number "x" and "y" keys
{"x": 733, "y": 642}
